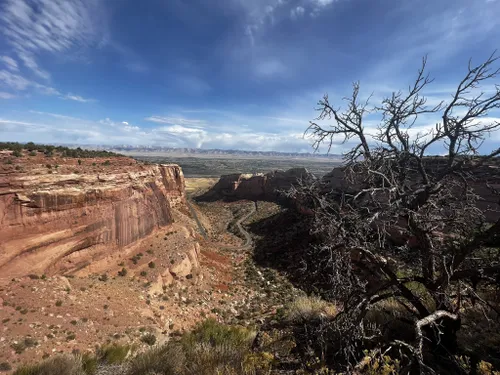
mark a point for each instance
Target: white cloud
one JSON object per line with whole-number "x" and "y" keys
{"x": 10, "y": 63}
{"x": 175, "y": 121}
{"x": 17, "y": 82}
{"x": 124, "y": 122}
{"x": 58, "y": 128}
{"x": 29, "y": 61}
{"x": 297, "y": 12}
{"x": 323, "y": 3}
{"x": 14, "y": 81}
{"x": 48, "y": 26}
{"x": 77, "y": 98}
{"x": 6, "y": 95}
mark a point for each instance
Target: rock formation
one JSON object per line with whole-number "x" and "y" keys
{"x": 485, "y": 181}
{"x": 254, "y": 187}
{"x": 62, "y": 222}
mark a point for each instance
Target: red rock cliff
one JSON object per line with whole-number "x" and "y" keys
{"x": 56, "y": 223}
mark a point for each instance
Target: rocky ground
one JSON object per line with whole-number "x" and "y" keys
{"x": 149, "y": 295}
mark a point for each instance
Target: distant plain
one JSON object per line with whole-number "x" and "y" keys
{"x": 216, "y": 166}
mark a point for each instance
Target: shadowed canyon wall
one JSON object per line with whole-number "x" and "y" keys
{"x": 58, "y": 223}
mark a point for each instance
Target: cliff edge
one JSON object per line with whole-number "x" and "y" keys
{"x": 61, "y": 217}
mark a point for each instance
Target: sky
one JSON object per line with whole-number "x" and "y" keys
{"x": 229, "y": 74}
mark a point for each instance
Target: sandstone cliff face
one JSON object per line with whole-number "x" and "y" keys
{"x": 255, "y": 187}
{"x": 57, "y": 223}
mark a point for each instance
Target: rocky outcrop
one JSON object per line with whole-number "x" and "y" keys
{"x": 61, "y": 222}
{"x": 484, "y": 180}
{"x": 254, "y": 187}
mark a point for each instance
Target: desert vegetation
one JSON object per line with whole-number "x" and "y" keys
{"x": 32, "y": 149}
{"x": 391, "y": 266}
{"x": 404, "y": 247}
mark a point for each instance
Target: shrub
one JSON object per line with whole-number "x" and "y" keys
{"x": 113, "y": 354}
{"x": 166, "y": 360}
{"x": 59, "y": 303}
{"x": 4, "y": 366}
{"x": 213, "y": 348}
{"x": 89, "y": 364}
{"x": 374, "y": 363}
{"x": 151, "y": 265}
{"x": 307, "y": 308}
{"x": 148, "y": 338}
{"x": 32, "y": 153}
{"x": 17, "y": 153}
{"x": 144, "y": 273}
{"x": 123, "y": 272}
{"x": 61, "y": 364}
{"x": 18, "y": 347}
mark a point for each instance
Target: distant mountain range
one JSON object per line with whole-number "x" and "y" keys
{"x": 128, "y": 149}
{"x": 209, "y": 152}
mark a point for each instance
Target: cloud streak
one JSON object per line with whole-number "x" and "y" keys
{"x": 48, "y": 26}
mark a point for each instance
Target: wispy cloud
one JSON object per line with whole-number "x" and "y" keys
{"x": 175, "y": 121}
{"x": 78, "y": 98}
{"x": 297, "y": 12}
{"x": 48, "y": 26}
{"x": 9, "y": 62}
{"x": 33, "y": 28}
{"x": 16, "y": 82}
{"x": 6, "y": 95}
{"x": 58, "y": 128}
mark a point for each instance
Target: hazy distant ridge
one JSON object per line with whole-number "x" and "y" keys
{"x": 198, "y": 151}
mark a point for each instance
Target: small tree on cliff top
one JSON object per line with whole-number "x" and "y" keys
{"x": 407, "y": 229}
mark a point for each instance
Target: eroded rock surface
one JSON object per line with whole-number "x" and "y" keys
{"x": 254, "y": 187}
{"x": 61, "y": 222}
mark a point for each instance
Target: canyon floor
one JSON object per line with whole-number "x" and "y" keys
{"x": 43, "y": 315}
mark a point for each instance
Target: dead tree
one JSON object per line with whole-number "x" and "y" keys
{"x": 407, "y": 218}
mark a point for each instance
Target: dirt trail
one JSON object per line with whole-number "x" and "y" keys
{"x": 248, "y": 239}
{"x": 201, "y": 229}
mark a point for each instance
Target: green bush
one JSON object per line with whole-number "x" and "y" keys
{"x": 89, "y": 364}
{"x": 123, "y": 272}
{"x": 165, "y": 360}
{"x": 149, "y": 339}
{"x": 4, "y": 366}
{"x": 62, "y": 364}
{"x": 112, "y": 354}
{"x": 213, "y": 348}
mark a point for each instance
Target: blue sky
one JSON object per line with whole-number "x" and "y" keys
{"x": 241, "y": 74}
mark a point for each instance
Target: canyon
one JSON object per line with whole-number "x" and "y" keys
{"x": 65, "y": 221}
{"x": 107, "y": 250}
{"x": 266, "y": 187}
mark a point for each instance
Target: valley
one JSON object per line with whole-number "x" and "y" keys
{"x": 146, "y": 292}
{"x": 131, "y": 268}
